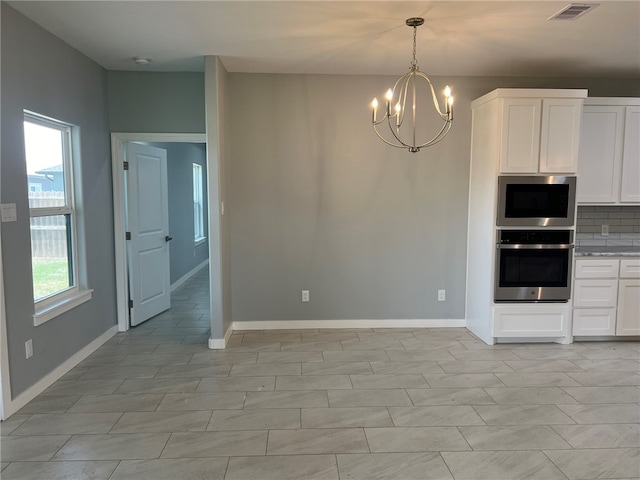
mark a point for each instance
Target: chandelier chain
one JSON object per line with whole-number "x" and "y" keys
{"x": 414, "y": 62}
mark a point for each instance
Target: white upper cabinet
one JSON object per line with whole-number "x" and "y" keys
{"x": 520, "y": 135}
{"x": 540, "y": 135}
{"x": 630, "y": 185}
{"x": 560, "y": 135}
{"x": 609, "y": 156}
{"x": 600, "y": 154}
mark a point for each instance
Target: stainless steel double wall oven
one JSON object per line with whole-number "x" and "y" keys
{"x": 535, "y": 220}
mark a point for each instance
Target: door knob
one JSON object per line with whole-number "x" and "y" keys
{"x": 168, "y": 238}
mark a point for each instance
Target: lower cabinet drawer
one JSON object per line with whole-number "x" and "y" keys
{"x": 594, "y": 321}
{"x": 600, "y": 293}
{"x": 597, "y": 268}
{"x": 630, "y": 268}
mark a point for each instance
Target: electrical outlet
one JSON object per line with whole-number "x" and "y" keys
{"x": 305, "y": 295}
{"x": 442, "y": 295}
{"x": 28, "y": 348}
{"x": 605, "y": 230}
{"x": 8, "y": 212}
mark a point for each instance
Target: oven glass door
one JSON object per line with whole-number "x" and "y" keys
{"x": 537, "y": 201}
{"x": 531, "y": 274}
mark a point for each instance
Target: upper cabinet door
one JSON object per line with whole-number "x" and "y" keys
{"x": 560, "y": 135}
{"x": 600, "y": 156}
{"x": 520, "y": 135}
{"x": 630, "y": 185}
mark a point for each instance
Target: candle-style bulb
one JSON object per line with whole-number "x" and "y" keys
{"x": 447, "y": 91}
{"x": 389, "y": 95}
{"x": 374, "y": 103}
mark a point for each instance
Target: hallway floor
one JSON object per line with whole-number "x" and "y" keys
{"x": 155, "y": 404}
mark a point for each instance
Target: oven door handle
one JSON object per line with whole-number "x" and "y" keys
{"x": 535, "y": 246}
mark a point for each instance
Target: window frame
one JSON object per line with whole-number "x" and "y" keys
{"x": 198, "y": 204}
{"x": 63, "y": 300}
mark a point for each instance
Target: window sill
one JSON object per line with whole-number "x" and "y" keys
{"x": 51, "y": 311}
{"x": 199, "y": 241}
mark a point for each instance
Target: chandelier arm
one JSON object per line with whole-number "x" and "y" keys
{"x": 397, "y": 137}
{"x": 441, "y": 134}
{"x": 402, "y": 95}
{"x": 437, "y": 138}
{"x": 387, "y": 141}
{"x": 379, "y": 121}
{"x": 436, "y": 104}
{"x": 413, "y": 98}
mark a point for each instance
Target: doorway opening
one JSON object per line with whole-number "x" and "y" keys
{"x": 184, "y": 245}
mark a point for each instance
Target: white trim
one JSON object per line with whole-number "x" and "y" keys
{"x": 562, "y": 340}
{"x": 530, "y": 93}
{"x": 161, "y": 137}
{"x": 359, "y": 323}
{"x": 221, "y": 343}
{"x": 118, "y": 139}
{"x": 32, "y": 392}
{"x": 63, "y": 305}
{"x": 5, "y": 384}
{"x": 188, "y": 275}
{"x": 62, "y": 300}
{"x": 606, "y": 101}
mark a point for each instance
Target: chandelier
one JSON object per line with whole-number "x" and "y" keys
{"x": 405, "y": 94}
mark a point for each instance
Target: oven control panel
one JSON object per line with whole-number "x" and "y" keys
{"x": 535, "y": 237}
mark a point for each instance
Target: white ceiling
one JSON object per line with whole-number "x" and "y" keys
{"x": 510, "y": 38}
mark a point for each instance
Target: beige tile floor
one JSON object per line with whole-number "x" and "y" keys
{"x": 368, "y": 404}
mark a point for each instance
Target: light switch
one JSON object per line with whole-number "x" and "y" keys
{"x": 9, "y": 212}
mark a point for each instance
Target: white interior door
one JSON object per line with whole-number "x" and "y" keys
{"x": 148, "y": 223}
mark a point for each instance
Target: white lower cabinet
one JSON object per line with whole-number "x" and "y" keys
{"x": 597, "y": 293}
{"x": 594, "y": 321}
{"x": 628, "y": 322}
{"x": 533, "y": 320}
{"x": 606, "y": 297}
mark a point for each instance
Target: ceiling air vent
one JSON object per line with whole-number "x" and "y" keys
{"x": 573, "y": 11}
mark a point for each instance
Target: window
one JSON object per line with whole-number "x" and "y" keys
{"x": 52, "y": 216}
{"x": 198, "y": 205}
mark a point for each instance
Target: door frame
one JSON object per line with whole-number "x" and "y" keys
{"x": 118, "y": 140}
{"x": 5, "y": 383}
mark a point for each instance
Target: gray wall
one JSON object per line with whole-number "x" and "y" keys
{"x": 155, "y": 102}
{"x": 184, "y": 254}
{"x": 317, "y": 202}
{"x": 219, "y": 226}
{"x": 43, "y": 74}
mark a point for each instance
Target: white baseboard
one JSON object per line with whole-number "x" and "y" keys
{"x": 220, "y": 343}
{"x": 359, "y": 323}
{"x": 188, "y": 275}
{"x": 32, "y": 392}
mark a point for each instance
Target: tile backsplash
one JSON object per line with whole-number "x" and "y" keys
{"x": 623, "y": 222}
